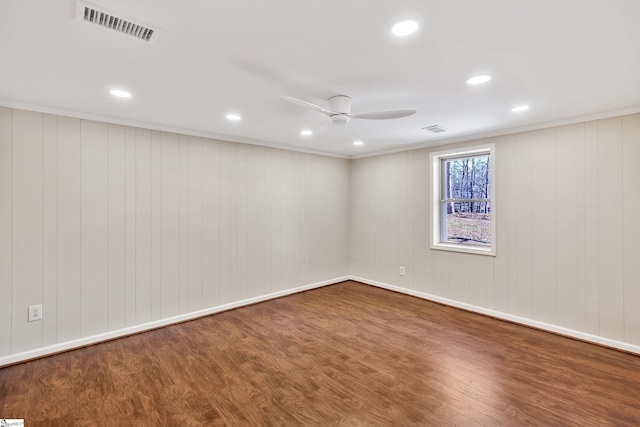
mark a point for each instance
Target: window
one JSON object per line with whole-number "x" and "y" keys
{"x": 462, "y": 200}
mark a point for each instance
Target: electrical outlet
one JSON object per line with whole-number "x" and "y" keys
{"x": 35, "y": 312}
{"x": 402, "y": 271}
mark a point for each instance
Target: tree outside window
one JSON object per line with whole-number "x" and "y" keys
{"x": 462, "y": 201}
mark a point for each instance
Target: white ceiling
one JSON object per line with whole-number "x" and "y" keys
{"x": 565, "y": 58}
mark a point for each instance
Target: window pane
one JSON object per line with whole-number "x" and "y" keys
{"x": 467, "y": 222}
{"x": 466, "y": 178}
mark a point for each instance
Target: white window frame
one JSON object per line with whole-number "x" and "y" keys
{"x": 435, "y": 159}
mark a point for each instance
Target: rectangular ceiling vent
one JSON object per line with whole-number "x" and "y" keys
{"x": 104, "y": 18}
{"x": 435, "y": 129}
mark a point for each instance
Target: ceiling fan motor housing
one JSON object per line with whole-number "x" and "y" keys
{"x": 340, "y": 104}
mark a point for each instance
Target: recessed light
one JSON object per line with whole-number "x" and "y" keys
{"x": 306, "y": 132}
{"x": 120, "y": 93}
{"x": 233, "y": 117}
{"x": 358, "y": 142}
{"x": 520, "y": 108}
{"x": 478, "y": 80}
{"x": 404, "y": 28}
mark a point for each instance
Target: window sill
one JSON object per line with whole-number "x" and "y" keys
{"x": 478, "y": 250}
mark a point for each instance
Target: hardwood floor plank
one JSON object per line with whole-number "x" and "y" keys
{"x": 347, "y": 354}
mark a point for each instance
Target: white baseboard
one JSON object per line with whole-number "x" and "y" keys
{"x": 504, "y": 316}
{"x": 94, "y": 339}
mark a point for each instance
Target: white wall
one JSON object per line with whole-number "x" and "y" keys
{"x": 568, "y": 230}
{"x": 110, "y": 226}
{"x": 113, "y": 227}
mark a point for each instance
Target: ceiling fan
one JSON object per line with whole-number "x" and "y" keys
{"x": 340, "y": 110}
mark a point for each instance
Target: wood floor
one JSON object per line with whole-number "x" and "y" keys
{"x": 347, "y": 354}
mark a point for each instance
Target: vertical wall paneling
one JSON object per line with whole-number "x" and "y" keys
{"x": 210, "y": 223}
{"x": 631, "y": 225}
{"x": 524, "y": 226}
{"x": 95, "y": 220}
{"x": 184, "y": 223}
{"x": 233, "y": 222}
{"x": 499, "y": 297}
{"x": 6, "y": 223}
{"x": 298, "y": 192}
{"x": 567, "y": 216}
{"x": 392, "y": 216}
{"x": 157, "y": 194}
{"x": 143, "y": 225}
{"x": 194, "y": 254}
{"x": 170, "y": 225}
{"x": 567, "y": 228}
{"x": 418, "y": 203}
{"x": 466, "y": 279}
{"x": 476, "y": 279}
{"x": 117, "y": 227}
{"x": 69, "y": 229}
{"x": 130, "y": 226}
{"x": 454, "y": 286}
{"x": 511, "y": 211}
{"x": 356, "y": 247}
{"x": 276, "y": 226}
{"x": 290, "y": 235}
{"x": 340, "y": 233}
{"x": 250, "y": 218}
{"x": 225, "y": 222}
{"x": 111, "y": 227}
{"x": 27, "y": 251}
{"x": 610, "y": 227}
{"x": 377, "y": 210}
{"x": 263, "y": 227}
{"x": 242, "y": 257}
{"x": 440, "y": 275}
{"x": 50, "y": 229}
{"x": 404, "y": 219}
{"x": 314, "y": 177}
{"x": 263, "y": 212}
{"x": 489, "y": 282}
{"x": 592, "y": 252}
{"x": 543, "y": 225}
{"x": 325, "y": 178}
{"x": 610, "y": 231}
{"x": 579, "y": 226}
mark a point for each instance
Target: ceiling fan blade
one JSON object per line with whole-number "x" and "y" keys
{"x": 306, "y": 104}
{"x": 384, "y": 115}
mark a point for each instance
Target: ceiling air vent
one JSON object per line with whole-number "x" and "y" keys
{"x": 435, "y": 128}
{"x": 106, "y": 19}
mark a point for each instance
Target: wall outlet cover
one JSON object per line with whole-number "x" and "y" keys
{"x": 35, "y": 312}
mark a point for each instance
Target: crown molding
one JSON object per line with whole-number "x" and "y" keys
{"x": 155, "y": 126}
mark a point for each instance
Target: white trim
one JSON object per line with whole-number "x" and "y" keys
{"x": 94, "y": 339}
{"x": 435, "y": 162}
{"x": 411, "y": 146}
{"x": 154, "y": 126}
{"x": 505, "y": 316}
{"x": 107, "y": 336}
{"x": 477, "y": 136}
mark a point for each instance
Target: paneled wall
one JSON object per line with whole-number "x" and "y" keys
{"x": 568, "y": 229}
{"x": 111, "y": 226}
